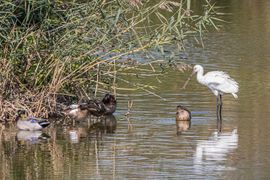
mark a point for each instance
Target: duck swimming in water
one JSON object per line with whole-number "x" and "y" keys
{"x": 183, "y": 119}
{"x": 106, "y": 106}
{"x": 30, "y": 123}
{"x": 182, "y": 114}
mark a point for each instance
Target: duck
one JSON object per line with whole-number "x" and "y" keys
{"x": 75, "y": 111}
{"x": 182, "y": 113}
{"x": 183, "y": 119}
{"x": 30, "y": 123}
{"x": 106, "y": 106}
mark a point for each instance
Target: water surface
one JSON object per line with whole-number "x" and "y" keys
{"x": 146, "y": 146}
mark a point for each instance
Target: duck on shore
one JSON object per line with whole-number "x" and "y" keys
{"x": 30, "y": 123}
{"x": 106, "y": 106}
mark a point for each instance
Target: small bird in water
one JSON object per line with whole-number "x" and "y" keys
{"x": 183, "y": 119}
{"x": 219, "y": 83}
{"x": 30, "y": 123}
{"x": 182, "y": 114}
{"x": 106, "y": 106}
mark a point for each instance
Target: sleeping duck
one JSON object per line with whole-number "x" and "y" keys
{"x": 106, "y": 106}
{"x": 30, "y": 123}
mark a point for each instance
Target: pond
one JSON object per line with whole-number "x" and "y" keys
{"x": 146, "y": 145}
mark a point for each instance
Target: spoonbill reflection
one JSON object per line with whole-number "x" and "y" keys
{"x": 219, "y": 83}
{"x": 217, "y": 147}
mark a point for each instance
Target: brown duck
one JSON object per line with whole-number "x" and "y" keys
{"x": 106, "y": 106}
{"x": 183, "y": 119}
{"x": 182, "y": 114}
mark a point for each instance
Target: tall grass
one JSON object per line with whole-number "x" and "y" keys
{"x": 56, "y": 52}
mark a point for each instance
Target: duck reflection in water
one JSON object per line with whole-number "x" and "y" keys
{"x": 106, "y": 124}
{"x": 32, "y": 137}
{"x": 183, "y": 119}
{"x": 76, "y": 133}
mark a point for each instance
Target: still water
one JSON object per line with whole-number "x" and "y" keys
{"x": 146, "y": 146}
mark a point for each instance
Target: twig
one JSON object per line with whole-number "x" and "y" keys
{"x": 127, "y": 115}
{"x": 187, "y": 81}
{"x": 96, "y": 89}
{"x": 130, "y": 104}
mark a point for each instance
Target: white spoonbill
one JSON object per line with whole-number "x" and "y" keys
{"x": 219, "y": 83}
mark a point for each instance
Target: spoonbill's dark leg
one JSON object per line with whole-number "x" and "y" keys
{"x": 218, "y": 116}
{"x": 220, "y": 106}
{"x": 219, "y": 125}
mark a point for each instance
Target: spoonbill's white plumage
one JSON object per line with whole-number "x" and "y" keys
{"x": 218, "y": 82}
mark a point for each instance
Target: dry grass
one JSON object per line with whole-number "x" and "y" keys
{"x": 56, "y": 53}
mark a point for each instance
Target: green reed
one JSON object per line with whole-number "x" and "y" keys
{"x": 56, "y": 52}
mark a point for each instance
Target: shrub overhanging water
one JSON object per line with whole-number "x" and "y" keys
{"x": 56, "y": 52}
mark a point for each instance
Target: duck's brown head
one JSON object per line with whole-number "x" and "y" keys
{"x": 109, "y": 99}
{"x": 182, "y": 114}
{"x": 110, "y": 103}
